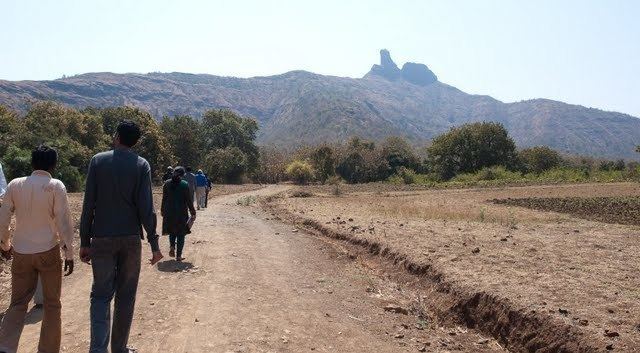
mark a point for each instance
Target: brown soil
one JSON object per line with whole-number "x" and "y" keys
{"x": 537, "y": 281}
{"x": 620, "y": 210}
{"x": 254, "y": 284}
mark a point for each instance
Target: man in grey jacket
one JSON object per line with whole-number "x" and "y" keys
{"x": 118, "y": 203}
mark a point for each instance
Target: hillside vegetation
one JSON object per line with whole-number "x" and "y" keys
{"x": 302, "y": 107}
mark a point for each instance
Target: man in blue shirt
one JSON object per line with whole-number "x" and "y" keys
{"x": 201, "y": 188}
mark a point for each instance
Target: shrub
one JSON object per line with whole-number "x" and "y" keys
{"x": 227, "y": 165}
{"x": 363, "y": 164}
{"x": 538, "y": 159}
{"x": 300, "y": 172}
{"x": 471, "y": 147}
{"x": 324, "y": 162}
{"x": 399, "y": 154}
{"x": 408, "y": 176}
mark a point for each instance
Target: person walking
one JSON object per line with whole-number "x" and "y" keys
{"x": 176, "y": 207}
{"x": 190, "y": 178}
{"x": 118, "y": 203}
{"x": 201, "y": 188}
{"x": 168, "y": 174}
{"x": 206, "y": 197}
{"x": 43, "y": 227}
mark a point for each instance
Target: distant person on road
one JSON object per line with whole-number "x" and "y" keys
{"x": 43, "y": 227}
{"x": 206, "y": 197}
{"x": 190, "y": 178}
{"x": 168, "y": 174}
{"x": 201, "y": 188}
{"x": 177, "y": 204}
{"x": 118, "y": 203}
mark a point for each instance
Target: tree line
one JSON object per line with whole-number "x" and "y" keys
{"x": 223, "y": 144}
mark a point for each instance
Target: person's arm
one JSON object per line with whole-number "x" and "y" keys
{"x": 146, "y": 212}
{"x": 189, "y": 199}
{"x": 164, "y": 199}
{"x": 62, "y": 216}
{"x": 6, "y": 211}
{"x": 88, "y": 206}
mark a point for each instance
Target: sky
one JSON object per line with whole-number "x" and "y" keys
{"x": 582, "y": 52}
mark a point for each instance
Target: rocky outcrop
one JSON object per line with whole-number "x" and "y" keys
{"x": 387, "y": 68}
{"x": 418, "y": 74}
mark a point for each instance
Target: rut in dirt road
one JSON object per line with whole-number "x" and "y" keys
{"x": 253, "y": 284}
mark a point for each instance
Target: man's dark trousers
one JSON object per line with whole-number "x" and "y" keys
{"x": 116, "y": 270}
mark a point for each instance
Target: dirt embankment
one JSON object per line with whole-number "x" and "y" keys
{"x": 536, "y": 281}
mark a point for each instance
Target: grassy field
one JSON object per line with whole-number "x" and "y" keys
{"x": 555, "y": 255}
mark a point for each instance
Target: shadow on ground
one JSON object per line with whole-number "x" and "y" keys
{"x": 174, "y": 266}
{"x": 34, "y": 316}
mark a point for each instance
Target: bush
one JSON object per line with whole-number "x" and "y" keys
{"x": 399, "y": 154}
{"x": 488, "y": 174}
{"x": 324, "y": 162}
{"x": 362, "y": 162}
{"x": 300, "y": 172}
{"x": 226, "y": 165}
{"x": 404, "y": 175}
{"x": 538, "y": 159}
{"x": 471, "y": 147}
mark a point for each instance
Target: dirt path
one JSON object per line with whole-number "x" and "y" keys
{"x": 253, "y": 284}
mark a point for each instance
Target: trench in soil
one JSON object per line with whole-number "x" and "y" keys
{"x": 516, "y": 329}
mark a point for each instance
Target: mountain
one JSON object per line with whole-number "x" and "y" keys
{"x": 300, "y": 106}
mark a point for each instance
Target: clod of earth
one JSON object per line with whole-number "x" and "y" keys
{"x": 396, "y": 309}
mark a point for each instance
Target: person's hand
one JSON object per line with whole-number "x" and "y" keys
{"x": 6, "y": 254}
{"x": 157, "y": 256}
{"x": 85, "y": 255}
{"x": 68, "y": 267}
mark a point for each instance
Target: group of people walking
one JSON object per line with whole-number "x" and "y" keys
{"x": 117, "y": 206}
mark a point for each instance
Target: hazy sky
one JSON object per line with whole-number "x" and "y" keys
{"x": 585, "y": 52}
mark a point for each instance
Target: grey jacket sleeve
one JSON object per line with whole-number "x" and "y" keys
{"x": 146, "y": 211}
{"x": 88, "y": 206}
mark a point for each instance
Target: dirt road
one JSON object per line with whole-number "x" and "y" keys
{"x": 253, "y": 284}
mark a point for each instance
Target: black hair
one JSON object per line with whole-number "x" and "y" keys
{"x": 128, "y": 132}
{"x": 178, "y": 173}
{"x": 44, "y": 158}
{"x": 189, "y": 169}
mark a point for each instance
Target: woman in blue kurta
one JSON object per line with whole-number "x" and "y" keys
{"x": 177, "y": 204}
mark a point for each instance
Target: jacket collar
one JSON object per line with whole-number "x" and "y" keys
{"x": 43, "y": 173}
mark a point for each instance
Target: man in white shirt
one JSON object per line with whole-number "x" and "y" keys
{"x": 43, "y": 226}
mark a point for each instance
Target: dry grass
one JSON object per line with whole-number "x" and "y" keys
{"x": 542, "y": 261}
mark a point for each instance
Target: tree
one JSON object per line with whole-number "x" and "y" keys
{"x": 184, "y": 135}
{"x": 638, "y": 148}
{"x": 10, "y": 127}
{"x": 539, "y": 159}
{"x": 271, "y": 167}
{"x": 471, "y": 147}
{"x": 75, "y": 135}
{"x": 324, "y": 162}
{"x": 363, "y": 166}
{"x": 301, "y": 172}
{"x": 223, "y": 129}
{"x": 399, "y": 153}
{"x": 226, "y": 165}
{"x": 153, "y": 145}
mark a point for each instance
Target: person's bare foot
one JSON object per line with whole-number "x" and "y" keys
{"x": 172, "y": 252}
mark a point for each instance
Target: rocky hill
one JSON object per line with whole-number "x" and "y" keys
{"x": 300, "y": 106}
